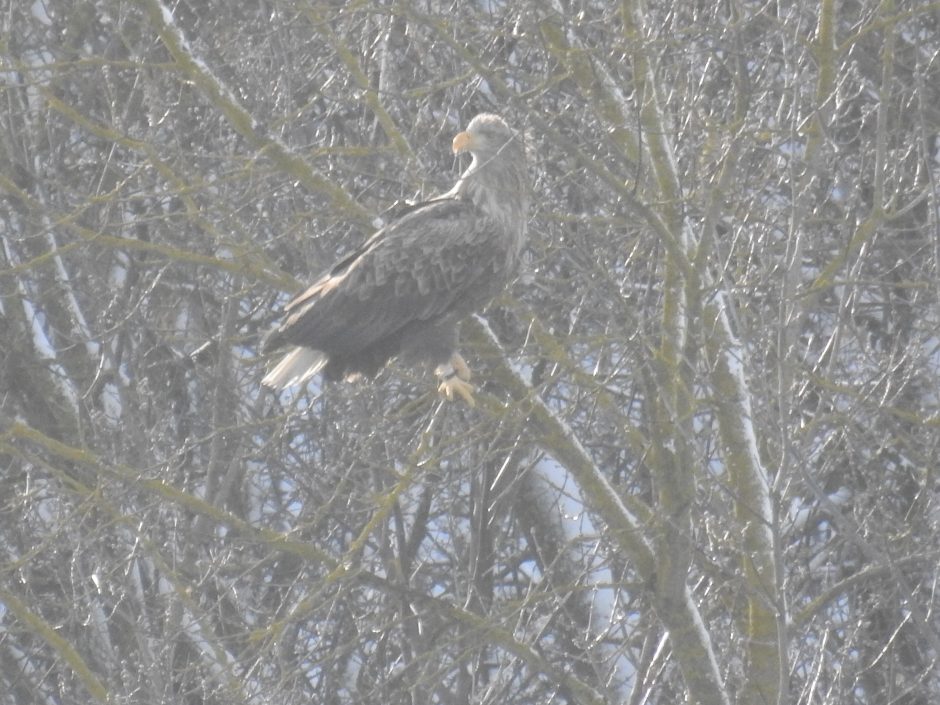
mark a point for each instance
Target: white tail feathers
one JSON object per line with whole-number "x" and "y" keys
{"x": 296, "y": 367}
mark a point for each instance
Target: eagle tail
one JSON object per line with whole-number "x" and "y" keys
{"x": 296, "y": 367}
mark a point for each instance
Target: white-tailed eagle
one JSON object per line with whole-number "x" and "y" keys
{"x": 405, "y": 290}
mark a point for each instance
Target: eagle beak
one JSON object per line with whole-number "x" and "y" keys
{"x": 462, "y": 142}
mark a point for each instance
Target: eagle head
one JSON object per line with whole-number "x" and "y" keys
{"x": 484, "y": 137}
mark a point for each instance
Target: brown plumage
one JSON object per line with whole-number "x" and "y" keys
{"x": 406, "y": 289}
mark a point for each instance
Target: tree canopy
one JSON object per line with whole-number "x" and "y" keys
{"x": 703, "y": 463}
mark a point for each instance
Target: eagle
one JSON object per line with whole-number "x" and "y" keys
{"x": 403, "y": 293}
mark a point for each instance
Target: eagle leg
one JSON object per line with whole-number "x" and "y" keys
{"x": 460, "y": 367}
{"x": 455, "y": 376}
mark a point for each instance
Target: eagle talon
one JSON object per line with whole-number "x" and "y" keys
{"x": 455, "y": 385}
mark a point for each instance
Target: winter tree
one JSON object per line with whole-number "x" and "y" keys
{"x": 703, "y": 465}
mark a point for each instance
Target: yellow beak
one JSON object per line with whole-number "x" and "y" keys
{"x": 462, "y": 142}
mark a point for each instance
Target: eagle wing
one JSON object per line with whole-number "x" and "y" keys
{"x": 442, "y": 257}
